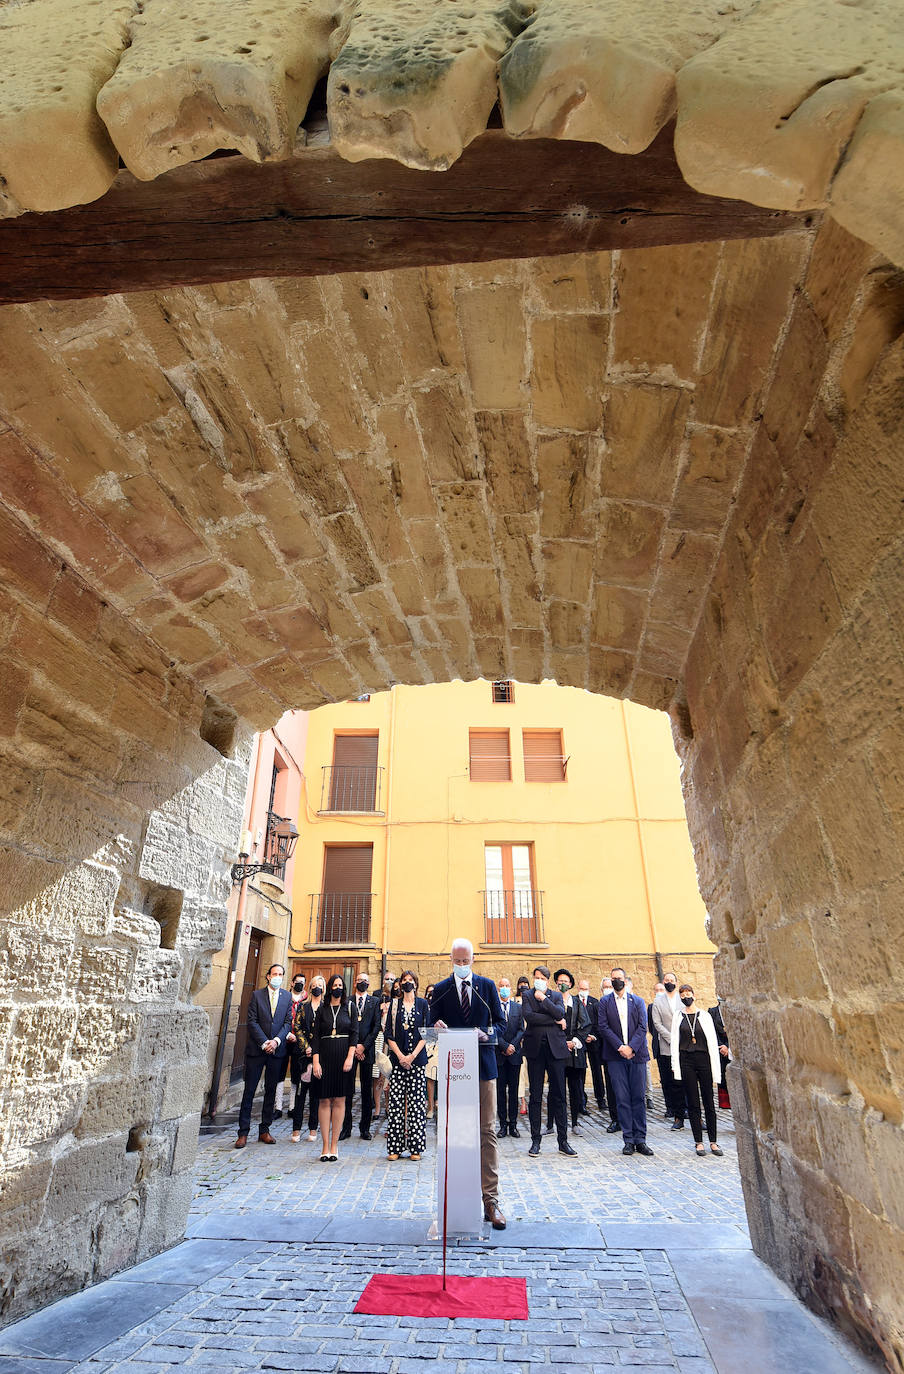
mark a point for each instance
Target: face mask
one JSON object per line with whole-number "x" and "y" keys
{"x": 618, "y": 984}
{"x": 564, "y": 987}
{"x": 408, "y": 987}
{"x": 317, "y": 991}
{"x": 607, "y": 992}
{"x": 461, "y": 970}
{"x": 523, "y": 989}
{"x": 505, "y": 993}
{"x": 361, "y": 986}
{"x": 669, "y": 987}
{"x": 299, "y": 987}
{"x": 335, "y": 992}
{"x": 583, "y": 996}
{"x": 539, "y": 984}
{"x": 276, "y": 981}
{"x": 688, "y": 1001}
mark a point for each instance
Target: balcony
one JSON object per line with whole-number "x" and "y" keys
{"x": 513, "y": 917}
{"x": 340, "y": 918}
{"x": 349, "y": 787}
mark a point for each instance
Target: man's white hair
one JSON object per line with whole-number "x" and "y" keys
{"x": 462, "y": 943}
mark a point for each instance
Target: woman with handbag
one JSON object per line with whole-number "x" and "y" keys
{"x": 407, "y": 1128}
{"x": 697, "y": 1065}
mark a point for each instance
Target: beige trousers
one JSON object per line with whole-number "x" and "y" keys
{"x": 489, "y": 1160}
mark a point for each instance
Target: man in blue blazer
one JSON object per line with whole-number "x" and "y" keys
{"x": 469, "y": 1001}
{"x": 269, "y": 1022}
{"x": 622, "y": 1020}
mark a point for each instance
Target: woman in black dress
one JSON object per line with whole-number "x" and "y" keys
{"x": 407, "y": 1129}
{"x": 334, "y": 1041}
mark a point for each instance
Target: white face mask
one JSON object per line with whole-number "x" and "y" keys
{"x": 583, "y": 996}
{"x": 607, "y": 992}
{"x": 539, "y": 984}
{"x": 461, "y": 970}
{"x": 276, "y": 981}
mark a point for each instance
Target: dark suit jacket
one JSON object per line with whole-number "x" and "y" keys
{"x": 262, "y": 1026}
{"x": 721, "y": 1033}
{"x": 654, "y": 1033}
{"x": 577, "y": 1024}
{"x": 593, "y": 1006}
{"x": 394, "y": 1028}
{"x": 540, "y": 1026}
{"x": 486, "y": 1014}
{"x": 611, "y": 1032}
{"x": 368, "y": 1022}
{"x": 511, "y": 1035}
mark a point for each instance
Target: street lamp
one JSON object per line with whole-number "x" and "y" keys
{"x": 282, "y": 837}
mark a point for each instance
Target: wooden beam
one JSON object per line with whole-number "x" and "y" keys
{"x": 226, "y": 218}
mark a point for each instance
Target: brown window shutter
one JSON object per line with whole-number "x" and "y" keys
{"x": 491, "y": 759}
{"x": 353, "y": 779}
{"x": 543, "y": 761}
{"x": 355, "y": 751}
{"x": 348, "y": 868}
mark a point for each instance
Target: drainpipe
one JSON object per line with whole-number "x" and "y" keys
{"x": 657, "y": 954}
{"x": 386, "y": 854}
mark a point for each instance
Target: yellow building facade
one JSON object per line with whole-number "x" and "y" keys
{"x": 543, "y": 823}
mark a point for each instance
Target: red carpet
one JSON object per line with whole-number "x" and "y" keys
{"x": 421, "y": 1295}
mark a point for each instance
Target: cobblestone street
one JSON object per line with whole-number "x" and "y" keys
{"x": 628, "y": 1262}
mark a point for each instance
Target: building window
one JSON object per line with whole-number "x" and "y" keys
{"x": 504, "y": 692}
{"x": 352, "y": 781}
{"x": 342, "y": 910}
{"x": 512, "y": 904}
{"x": 490, "y": 756}
{"x": 544, "y": 757}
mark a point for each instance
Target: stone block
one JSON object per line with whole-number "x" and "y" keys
{"x": 99, "y": 1171}
{"x": 628, "y": 544}
{"x": 573, "y": 282}
{"x": 103, "y": 1041}
{"x": 506, "y": 452}
{"x": 861, "y": 837}
{"x": 465, "y": 516}
{"x": 567, "y": 468}
{"x": 36, "y": 1051}
{"x": 794, "y": 955}
{"x": 618, "y": 615}
{"x": 186, "y": 1146}
{"x": 22, "y": 1196}
{"x": 644, "y": 428}
{"x": 402, "y": 443}
{"x": 116, "y": 1105}
{"x": 491, "y": 320}
{"x": 480, "y": 589}
{"x": 569, "y": 364}
{"x": 815, "y": 1055}
{"x": 798, "y": 374}
{"x": 707, "y": 483}
{"x": 156, "y": 976}
{"x": 288, "y": 526}
{"x": 685, "y": 569}
{"x": 448, "y": 441}
{"x": 653, "y": 337}
{"x": 183, "y": 1090}
{"x": 864, "y": 193}
{"x": 101, "y": 973}
{"x": 263, "y": 573}
{"x": 35, "y": 962}
{"x": 166, "y": 1204}
{"x": 861, "y": 1044}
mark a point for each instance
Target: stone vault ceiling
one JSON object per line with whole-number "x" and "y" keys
{"x": 792, "y": 104}
{"x": 306, "y": 489}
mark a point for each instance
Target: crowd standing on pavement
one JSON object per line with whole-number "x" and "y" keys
{"x": 544, "y": 1036}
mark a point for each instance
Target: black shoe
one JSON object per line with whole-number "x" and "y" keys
{"x": 612, "y": 1128}
{"x": 513, "y": 1130}
{"x": 550, "y": 1128}
{"x": 643, "y": 1149}
{"x": 585, "y": 1111}
{"x": 534, "y": 1149}
{"x": 365, "y": 1135}
{"x": 565, "y": 1149}
{"x": 627, "y": 1149}
{"x": 678, "y": 1124}
{"x": 277, "y": 1116}
{"x": 502, "y": 1132}
{"x": 345, "y": 1133}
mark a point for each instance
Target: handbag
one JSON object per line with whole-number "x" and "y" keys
{"x": 306, "y": 1076}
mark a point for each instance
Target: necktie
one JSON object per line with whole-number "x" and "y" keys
{"x": 360, "y": 1004}
{"x": 466, "y": 1001}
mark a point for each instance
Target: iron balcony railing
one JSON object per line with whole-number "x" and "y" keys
{"x": 349, "y": 787}
{"x": 341, "y": 918}
{"x": 513, "y": 917}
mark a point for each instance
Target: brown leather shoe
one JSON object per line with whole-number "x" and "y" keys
{"x": 265, "y": 1138}
{"x": 492, "y": 1214}
{"x": 241, "y": 1142}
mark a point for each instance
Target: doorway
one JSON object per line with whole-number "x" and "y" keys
{"x": 250, "y": 980}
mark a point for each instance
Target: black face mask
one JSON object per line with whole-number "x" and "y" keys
{"x": 335, "y": 992}
{"x": 618, "y": 984}
{"x": 522, "y": 989}
{"x": 408, "y": 987}
{"x": 361, "y": 986}
{"x": 688, "y": 1001}
{"x": 298, "y": 987}
{"x": 669, "y": 987}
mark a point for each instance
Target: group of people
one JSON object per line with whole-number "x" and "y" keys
{"x": 546, "y": 1035}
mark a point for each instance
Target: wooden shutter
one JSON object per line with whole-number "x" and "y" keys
{"x": 353, "y": 781}
{"x": 355, "y": 751}
{"x": 491, "y": 759}
{"x": 543, "y": 761}
{"x": 347, "y": 868}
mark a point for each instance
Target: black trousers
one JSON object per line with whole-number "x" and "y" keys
{"x": 507, "y": 1076}
{"x": 697, "y": 1083}
{"x": 672, "y": 1091}
{"x": 273, "y": 1068}
{"x": 537, "y": 1070}
{"x": 610, "y": 1094}
{"x": 596, "y": 1074}
{"x": 574, "y": 1084}
{"x": 363, "y": 1068}
{"x": 311, "y": 1091}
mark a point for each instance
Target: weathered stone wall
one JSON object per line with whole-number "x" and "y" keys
{"x": 111, "y": 909}
{"x": 793, "y": 743}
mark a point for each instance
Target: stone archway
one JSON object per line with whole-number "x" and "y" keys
{"x": 670, "y": 474}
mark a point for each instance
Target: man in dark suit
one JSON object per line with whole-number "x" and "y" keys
{"x": 469, "y": 1001}
{"x": 623, "y": 1032}
{"x": 545, "y": 1048}
{"x": 508, "y": 1061}
{"x": 269, "y": 1022}
{"x": 367, "y": 1010}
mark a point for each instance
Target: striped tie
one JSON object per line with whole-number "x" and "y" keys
{"x": 466, "y": 1001}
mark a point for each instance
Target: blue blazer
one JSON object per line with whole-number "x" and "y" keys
{"x": 610, "y": 1032}
{"x": 262, "y": 1026}
{"x": 486, "y": 1015}
{"x": 514, "y": 1029}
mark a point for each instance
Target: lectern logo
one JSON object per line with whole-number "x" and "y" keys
{"x": 457, "y": 1059}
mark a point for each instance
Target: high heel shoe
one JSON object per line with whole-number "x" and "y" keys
{"x": 296, "y": 1136}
